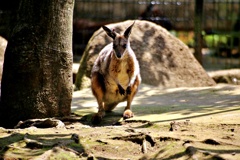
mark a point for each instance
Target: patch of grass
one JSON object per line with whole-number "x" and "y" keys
{"x": 174, "y": 150}
{"x": 77, "y": 147}
{"x": 23, "y": 153}
{"x": 85, "y": 112}
{"x": 58, "y": 153}
{"x": 15, "y": 137}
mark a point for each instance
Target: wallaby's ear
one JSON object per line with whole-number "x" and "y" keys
{"x": 109, "y": 32}
{"x": 128, "y": 31}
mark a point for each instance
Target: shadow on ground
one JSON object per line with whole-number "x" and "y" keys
{"x": 164, "y": 105}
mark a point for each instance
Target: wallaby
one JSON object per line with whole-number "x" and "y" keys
{"x": 115, "y": 75}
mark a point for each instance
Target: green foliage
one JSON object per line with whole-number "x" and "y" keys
{"x": 215, "y": 40}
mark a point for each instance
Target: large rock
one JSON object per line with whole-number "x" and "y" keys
{"x": 230, "y": 76}
{"x": 164, "y": 60}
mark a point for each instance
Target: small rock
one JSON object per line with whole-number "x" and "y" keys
{"x": 91, "y": 157}
{"x": 174, "y": 126}
{"x": 75, "y": 137}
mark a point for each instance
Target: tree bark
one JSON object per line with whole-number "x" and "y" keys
{"x": 37, "y": 71}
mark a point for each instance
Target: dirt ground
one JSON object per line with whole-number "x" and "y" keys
{"x": 178, "y": 123}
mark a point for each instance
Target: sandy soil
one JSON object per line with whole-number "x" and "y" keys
{"x": 177, "y": 123}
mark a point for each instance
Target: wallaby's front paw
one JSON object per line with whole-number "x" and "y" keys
{"x": 129, "y": 90}
{"x": 96, "y": 119}
{"x": 121, "y": 90}
{"x": 127, "y": 114}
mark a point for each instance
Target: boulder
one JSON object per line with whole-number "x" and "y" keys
{"x": 164, "y": 60}
{"x": 229, "y": 76}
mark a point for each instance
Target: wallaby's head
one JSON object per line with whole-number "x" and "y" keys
{"x": 120, "y": 42}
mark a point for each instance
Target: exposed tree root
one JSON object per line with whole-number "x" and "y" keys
{"x": 168, "y": 139}
{"x": 211, "y": 141}
{"x": 127, "y": 121}
{"x": 41, "y": 123}
{"x": 140, "y": 139}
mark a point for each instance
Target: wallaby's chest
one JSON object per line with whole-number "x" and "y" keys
{"x": 117, "y": 73}
{"x": 120, "y": 72}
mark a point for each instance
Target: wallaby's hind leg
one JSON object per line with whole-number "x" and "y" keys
{"x": 110, "y": 107}
{"x": 131, "y": 93}
{"x": 98, "y": 90}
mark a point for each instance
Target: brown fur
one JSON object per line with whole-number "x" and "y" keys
{"x": 115, "y": 75}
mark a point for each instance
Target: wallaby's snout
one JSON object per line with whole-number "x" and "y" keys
{"x": 118, "y": 54}
{"x": 119, "y": 46}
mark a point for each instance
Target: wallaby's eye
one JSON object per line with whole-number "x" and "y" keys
{"x": 125, "y": 46}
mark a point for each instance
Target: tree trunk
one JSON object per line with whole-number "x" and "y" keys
{"x": 198, "y": 30}
{"x": 37, "y": 71}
